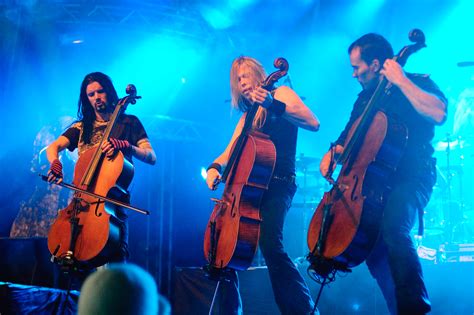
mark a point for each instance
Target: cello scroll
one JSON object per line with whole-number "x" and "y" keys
{"x": 283, "y": 66}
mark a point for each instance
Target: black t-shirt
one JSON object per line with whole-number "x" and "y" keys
{"x": 128, "y": 127}
{"x": 418, "y": 149}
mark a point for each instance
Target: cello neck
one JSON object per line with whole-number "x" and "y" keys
{"x": 89, "y": 174}
{"x": 240, "y": 141}
{"x": 370, "y": 109}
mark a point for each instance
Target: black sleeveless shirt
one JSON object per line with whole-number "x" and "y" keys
{"x": 284, "y": 135}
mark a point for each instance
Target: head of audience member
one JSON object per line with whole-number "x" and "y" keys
{"x": 121, "y": 289}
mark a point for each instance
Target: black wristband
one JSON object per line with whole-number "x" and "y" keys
{"x": 277, "y": 107}
{"x": 215, "y": 166}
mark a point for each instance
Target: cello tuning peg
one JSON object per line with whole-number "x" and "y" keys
{"x": 131, "y": 90}
{"x": 134, "y": 99}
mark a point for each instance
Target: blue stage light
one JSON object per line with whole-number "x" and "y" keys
{"x": 203, "y": 173}
{"x": 356, "y": 307}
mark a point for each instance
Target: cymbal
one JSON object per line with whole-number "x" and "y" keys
{"x": 465, "y": 63}
{"x": 309, "y": 190}
{"x": 447, "y": 144}
{"x": 305, "y": 172}
{"x": 433, "y": 231}
{"x": 454, "y": 168}
{"x": 302, "y": 162}
{"x": 310, "y": 204}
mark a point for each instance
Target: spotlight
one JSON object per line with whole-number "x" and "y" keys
{"x": 203, "y": 173}
{"x": 356, "y": 307}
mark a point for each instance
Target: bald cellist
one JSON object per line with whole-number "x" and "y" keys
{"x": 416, "y": 102}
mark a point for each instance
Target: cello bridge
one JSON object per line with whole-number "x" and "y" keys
{"x": 81, "y": 204}
{"x": 219, "y": 201}
{"x": 342, "y": 187}
{"x": 222, "y": 204}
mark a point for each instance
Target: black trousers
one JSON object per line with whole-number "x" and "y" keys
{"x": 289, "y": 288}
{"x": 394, "y": 262}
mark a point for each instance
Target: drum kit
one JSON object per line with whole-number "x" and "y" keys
{"x": 311, "y": 187}
{"x": 449, "y": 214}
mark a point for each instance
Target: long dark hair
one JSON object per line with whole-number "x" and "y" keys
{"x": 85, "y": 111}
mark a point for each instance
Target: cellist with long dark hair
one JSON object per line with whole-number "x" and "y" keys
{"x": 416, "y": 102}
{"x": 280, "y": 113}
{"x": 95, "y": 107}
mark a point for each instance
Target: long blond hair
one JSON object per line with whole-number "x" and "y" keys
{"x": 237, "y": 99}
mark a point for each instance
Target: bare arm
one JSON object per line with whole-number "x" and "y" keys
{"x": 213, "y": 175}
{"x": 295, "y": 112}
{"x": 144, "y": 152}
{"x": 332, "y": 154}
{"x": 224, "y": 157}
{"x": 52, "y": 152}
{"x": 426, "y": 104}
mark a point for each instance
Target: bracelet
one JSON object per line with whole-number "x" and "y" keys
{"x": 277, "y": 107}
{"x": 215, "y": 166}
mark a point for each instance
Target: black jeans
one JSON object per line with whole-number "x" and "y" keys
{"x": 122, "y": 254}
{"x": 289, "y": 288}
{"x": 394, "y": 261}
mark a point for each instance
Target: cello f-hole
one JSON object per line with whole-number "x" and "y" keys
{"x": 233, "y": 210}
{"x": 96, "y": 211}
{"x": 354, "y": 196}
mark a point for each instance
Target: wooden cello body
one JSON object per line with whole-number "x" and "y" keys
{"x": 87, "y": 231}
{"x": 354, "y": 208}
{"x": 96, "y": 234}
{"x": 346, "y": 223}
{"x": 232, "y": 233}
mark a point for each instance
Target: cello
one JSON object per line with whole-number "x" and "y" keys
{"x": 233, "y": 230}
{"x": 86, "y": 232}
{"x": 346, "y": 223}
